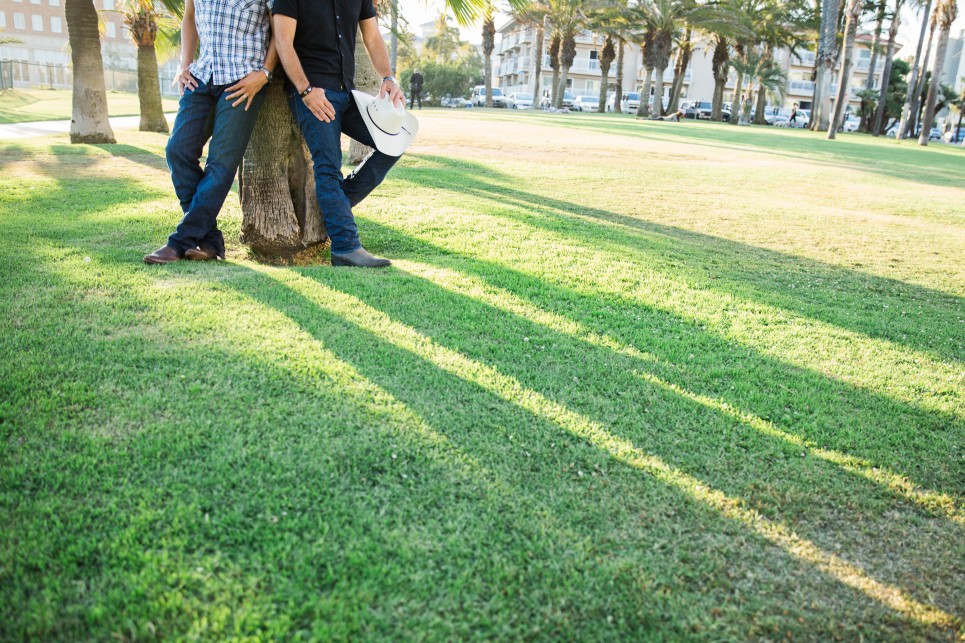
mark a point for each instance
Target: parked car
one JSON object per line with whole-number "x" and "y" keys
{"x": 629, "y": 102}
{"x": 478, "y": 97}
{"x": 546, "y": 101}
{"x": 935, "y": 134}
{"x": 458, "y": 102}
{"x": 954, "y": 135}
{"x": 698, "y": 109}
{"x": 586, "y": 104}
{"x": 520, "y": 100}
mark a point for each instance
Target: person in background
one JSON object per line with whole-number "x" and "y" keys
{"x": 415, "y": 89}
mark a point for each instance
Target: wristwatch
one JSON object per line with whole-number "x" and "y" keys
{"x": 270, "y": 76}
{"x": 392, "y": 78}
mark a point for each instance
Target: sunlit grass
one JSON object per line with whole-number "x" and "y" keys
{"x": 626, "y": 381}
{"x": 26, "y": 105}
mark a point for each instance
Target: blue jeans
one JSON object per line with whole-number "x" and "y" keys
{"x": 337, "y": 195}
{"x": 202, "y": 193}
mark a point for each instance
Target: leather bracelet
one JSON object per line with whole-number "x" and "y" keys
{"x": 307, "y": 91}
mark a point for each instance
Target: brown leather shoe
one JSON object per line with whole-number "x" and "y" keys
{"x": 166, "y": 254}
{"x": 361, "y": 258}
{"x": 201, "y": 253}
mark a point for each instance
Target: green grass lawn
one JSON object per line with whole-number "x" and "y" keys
{"x": 626, "y": 381}
{"x": 26, "y": 105}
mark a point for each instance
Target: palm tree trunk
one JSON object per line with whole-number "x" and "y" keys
{"x": 149, "y": 91}
{"x": 737, "y": 105}
{"x": 280, "y": 214}
{"x": 876, "y": 44}
{"x": 760, "y": 118}
{"x": 394, "y": 36}
{"x": 555, "y": 43}
{"x": 643, "y": 109}
{"x": 680, "y": 70}
{"x": 618, "y": 97}
{"x": 567, "y": 56}
{"x": 915, "y": 114}
{"x": 368, "y": 81}
{"x": 913, "y": 82}
{"x": 886, "y": 74}
{"x": 657, "y": 92}
{"x": 824, "y": 64}
{"x": 607, "y": 55}
{"x": 844, "y": 75}
{"x": 720, "y": 70}
{"x": 488, "y": 45}
{"x": 537, "y": 71}
{"x": 947, "y": 10}
{"x": 89, "y": 122}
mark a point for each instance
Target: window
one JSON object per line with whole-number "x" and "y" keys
{"x": 54, "y": 3}
{"x": 19, "y": 22}
{"x": 125, "y": 32}
{"x": 108, "y": 4}
{"x": 56, "y": 26}
{"x": 37, "y": 23}
{"x": 35, "y": 1}
{"x": 593, "y": 54}
{"x": 110, "y": 29}
{"x": 3, "y": 20}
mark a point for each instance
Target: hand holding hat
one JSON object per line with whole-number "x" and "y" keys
{"x": 391, "y": 126}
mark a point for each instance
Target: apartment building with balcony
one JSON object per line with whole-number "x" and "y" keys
{"x": 515, "y": 59}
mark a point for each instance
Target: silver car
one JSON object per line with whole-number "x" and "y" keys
{"x": 520, "y": 100}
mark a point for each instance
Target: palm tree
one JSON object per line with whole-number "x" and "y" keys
{"x": 945, "y": 12}
{"x": 886, "y": 74}
{"x": 647, "y": 49}
{"x": 143, "y": 18}
{"x": 824, "y": 64}
{"x": 567, "y": 19}
{"x": 554, "y": 53}
{"x": 607, "y": 56}
{"x": 685, "y": 50}
{"x": 720, "y": 65}
{"x": 663, "y": 18}
{"x": 911, "y": 98}
{"x": 89, "y": 121}
{"x": 535, "y": 15}
{"x": 488, "y": 44}
{"x": 852, "y": 13}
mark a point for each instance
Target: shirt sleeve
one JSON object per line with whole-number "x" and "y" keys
{"x": 286, "y": 8}
{"x": 367, "y": 10}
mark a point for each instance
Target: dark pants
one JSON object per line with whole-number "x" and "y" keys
{"x": 202, "y": 192}
{"x": 415, "y": 95}
{"x": 337, "y": 195}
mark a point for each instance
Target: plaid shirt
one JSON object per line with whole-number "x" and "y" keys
{"x": 234, "y": 39}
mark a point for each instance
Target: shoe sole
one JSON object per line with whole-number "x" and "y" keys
{"x": 194, "y": 255}
{"x": 342, "y": 262}
{"x": 149, "y": 260}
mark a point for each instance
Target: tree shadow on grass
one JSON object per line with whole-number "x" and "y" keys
{"x": 908, "y": 162}
{"x": 849, "y": 299}
{"x": 381, "y": 497}
{"x": 838, "y": 511}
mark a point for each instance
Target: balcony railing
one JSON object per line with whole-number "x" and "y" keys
{"x": 805, "y": 59}
{"x": 800, "y": 87}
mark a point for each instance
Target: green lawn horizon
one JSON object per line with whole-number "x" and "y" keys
{"x": 625, "y": 380}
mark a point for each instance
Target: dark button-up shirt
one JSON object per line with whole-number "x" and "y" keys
{"x": 325, "y": 38}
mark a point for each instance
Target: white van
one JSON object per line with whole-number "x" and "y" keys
{"x": 478, "y": 97}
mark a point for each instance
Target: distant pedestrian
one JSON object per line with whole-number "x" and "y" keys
{"x": 415, "y": 89}
{"x": 793, "y": 118}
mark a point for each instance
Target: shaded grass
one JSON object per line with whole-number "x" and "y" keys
{"x": 227, "y": 450}
{"x": 26, "y": 105}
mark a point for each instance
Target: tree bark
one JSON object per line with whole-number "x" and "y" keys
{"x": 720, "y": 70}
{"x": 149, "y": 91}
{"x": 538, "y": 70}
{"x": 662, "y": 42}
{"x": 886, "y": 74}
{"x": 607, "y": 54}
{"x": 680, "y": 70}
{"x": 618, "y": 97}
{"x": 89, "y": 120}
{"x": 947, "y": 12}
{"x": 643, "y": 109}
{"x": 876, "y": 44}
{"x": 737, "y": 105}
{"x": 280, "y": 214}
{"x": 368, "y": 81}
{"x": 824, "y": 64}
{"x": 488, "y": 45}
{"x": 760, "y": 118}
{"x": 844, "y": 75}
{"x": 555, "y": 43}
{"x": 914, "y": 115}
{"x": 913, "y": 82}
{"x": 567, "y": 56}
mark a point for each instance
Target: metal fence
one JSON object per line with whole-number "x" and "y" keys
{"x": 16, "y": 74}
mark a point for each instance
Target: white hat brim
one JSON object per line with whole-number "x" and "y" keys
{"x": 391, "y": 144}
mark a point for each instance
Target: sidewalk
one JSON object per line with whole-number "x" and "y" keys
{"x": 11, "y": 131}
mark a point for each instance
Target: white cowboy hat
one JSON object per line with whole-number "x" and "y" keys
{"x": 392, "y": 128}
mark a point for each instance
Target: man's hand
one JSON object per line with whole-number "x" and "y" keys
{"x": 184, "y": 80}
{"x": 394, "y": 91}
{"x": 246, "y": 88}
{"x": 318, "y": 103}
